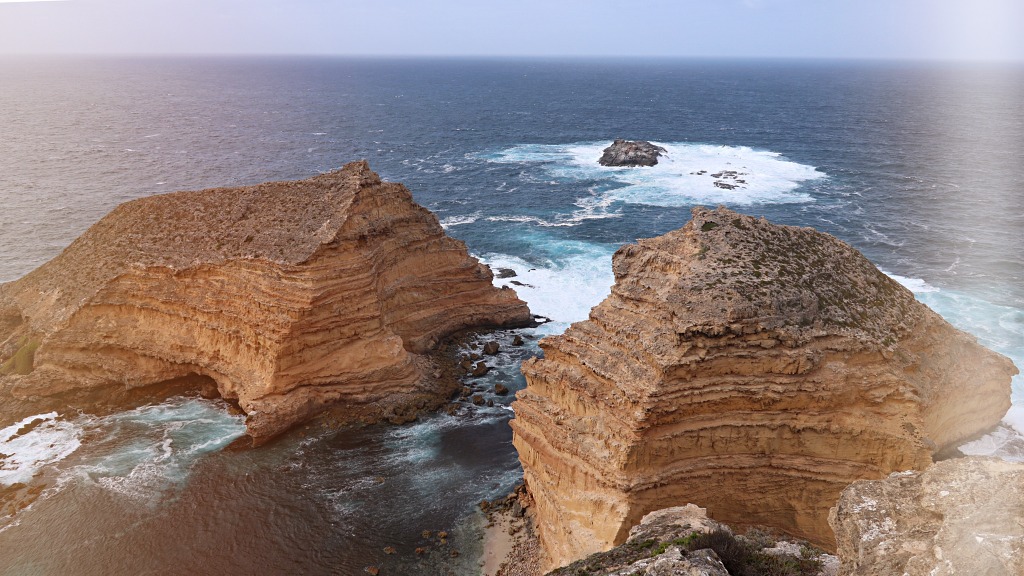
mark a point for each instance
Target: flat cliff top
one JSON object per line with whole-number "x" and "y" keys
{"x": 282, "y": 222}
{"x": 724, "y": 270}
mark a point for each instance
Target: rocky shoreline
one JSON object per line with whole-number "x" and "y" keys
{"x": 741, "y": 376}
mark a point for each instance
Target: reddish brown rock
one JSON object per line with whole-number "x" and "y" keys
{"x": 290, "y": 296}
{"x": 749, "y": 368}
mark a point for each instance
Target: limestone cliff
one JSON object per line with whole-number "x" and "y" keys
{"x": 749, "y": 368}
{"x": 291, "y": 296}
{"x": 961, "y": 516}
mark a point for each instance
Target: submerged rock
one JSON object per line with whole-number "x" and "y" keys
{"x": 961, "y": 516}
{"x": 631, "y": 153}
{"x": 291, "y": 296}
{"x": 481, "y": 369}
{"x": 747, "y": 367}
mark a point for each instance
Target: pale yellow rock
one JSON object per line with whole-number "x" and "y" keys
{"x": 748, "y": 368}
{"x": 291, "y": 296}
{"x": 961, "y": 516}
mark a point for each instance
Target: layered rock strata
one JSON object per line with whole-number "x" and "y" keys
{"x": 750, "y": 368}
{"x": 631, "y": 153}
{"x": 290, "y": 296}
{"x": 961, "y": 516}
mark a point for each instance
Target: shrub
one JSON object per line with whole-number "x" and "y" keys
{"x": 22, "y": 360}
{"x": 742, "y": 558}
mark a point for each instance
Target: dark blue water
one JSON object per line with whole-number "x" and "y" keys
{"x": 920, "y": 166}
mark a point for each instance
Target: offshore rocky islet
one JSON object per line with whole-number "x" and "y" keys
{"x": 631, "y": 153}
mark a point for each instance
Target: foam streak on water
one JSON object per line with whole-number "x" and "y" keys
{"x": 141, "y": 453}
{"x": 26, "y": 447}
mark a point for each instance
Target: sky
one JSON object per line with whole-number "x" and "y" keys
{"x": 872, "y": 29}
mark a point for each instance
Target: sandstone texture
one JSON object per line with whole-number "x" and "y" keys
{"x": 631, "y": 153}
{"x": 750, "y": 368}
{"x": 961, "y": 516}
{"x": 289, "y": 296}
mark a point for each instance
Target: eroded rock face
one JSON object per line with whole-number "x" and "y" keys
{"x": 631, "y": 153}
{"x": 291, "y": 296}
{"x": 961, "y": 516}
{"x": 749, "y": 368}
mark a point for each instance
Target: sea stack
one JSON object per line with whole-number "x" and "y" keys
{"x": 290, "y": 297}
{"x": 749, "y": 368}
{"x": 631, "y": 153}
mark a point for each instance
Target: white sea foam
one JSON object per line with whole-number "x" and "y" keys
{"x": 154, "y": 447}
{"x": 915, "y": 285}
{"x": 533, "y": 220}
{"x": 22, "y": 456}
{"x": 450, "y": 221}
{"x": 998, "y": 327}
{"x": 1000, "y": 443}
{"x": 139, "y": 453}
{"x": 575, "y": 277}
{"x": 685, "y": 176}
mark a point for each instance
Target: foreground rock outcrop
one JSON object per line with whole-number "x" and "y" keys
{"x": 682, "y": 540}
{"x": 961, "y": 516}
{"x": 290, "y": 297}
{"x": 631, "y": 153}
{"x": 749, "y": 368}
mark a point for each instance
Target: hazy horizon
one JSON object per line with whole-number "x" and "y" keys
{"x": 937, "y": 30}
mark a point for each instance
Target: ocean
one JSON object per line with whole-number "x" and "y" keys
{"x": 918, "y": 165}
